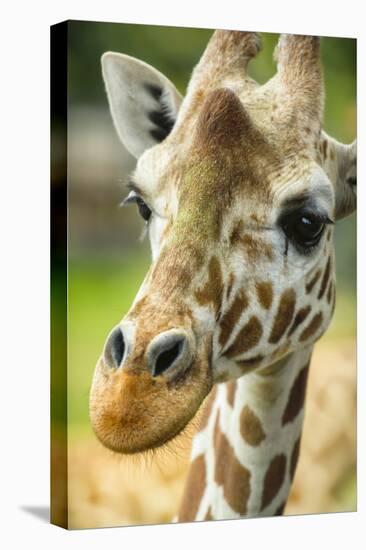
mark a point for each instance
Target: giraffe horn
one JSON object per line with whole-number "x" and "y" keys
{"x": 299, "y": 74}
{"x": 227, "y": 52}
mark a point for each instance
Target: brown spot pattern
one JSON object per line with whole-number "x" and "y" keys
{"x": 299, "y": 318}
{"x": 310, "y": 285}
{"x": 212, "y": 291}
{"x": 325, "y": 279}
{"x": 232, "y": 316}
{"x": 312, "y": 327}
{"x": 194, "y": 490}
{"x": 273, "y": 479}
{"x": 256, "y": 248}
{"x": 294, "y": 458}
{"x": 207, "y": 409}
{"x": 253, "y": 246}
{"x": 250, "y": 427}
{"x": 297, "y": 397}
{"x": 265, "y": 294}
{"x": 247, "y": 338}
{"x": 231, "y": 391}
{"x": 230, "y": 474}
{"x": 284, "y": 315}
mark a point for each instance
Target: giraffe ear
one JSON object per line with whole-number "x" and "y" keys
{"x": 346, "y": 181}
{"x": 144, "y": 104}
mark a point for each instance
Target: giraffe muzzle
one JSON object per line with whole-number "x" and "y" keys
{"x": 141, "y": 378}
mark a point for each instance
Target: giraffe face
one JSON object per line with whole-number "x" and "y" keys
{"x": 240, "y": 225}
{"x": 245, "y": 248}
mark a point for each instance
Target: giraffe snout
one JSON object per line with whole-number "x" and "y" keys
{"x": 144, "y": 374}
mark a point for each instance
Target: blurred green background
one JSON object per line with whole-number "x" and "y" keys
{"x": 107, "y": 261}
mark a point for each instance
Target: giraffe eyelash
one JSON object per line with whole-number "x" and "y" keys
{"x": 129, "y": 200}
{"x": 143, "y": 207}
{"x": 133, "y": 186}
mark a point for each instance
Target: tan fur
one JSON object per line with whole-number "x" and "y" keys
{"x": 126, "y": 404}
{"x": 254, "y": 248}
{"x": 211, "y": 293}
{"x": 222, "y": 123}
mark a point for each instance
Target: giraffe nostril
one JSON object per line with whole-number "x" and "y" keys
{"x": 169, "y": 350}
{"x": 115, "y": 348}
{"x": 166, "y": 358}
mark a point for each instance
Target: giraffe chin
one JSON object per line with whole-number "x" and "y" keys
{"x": 132, "y": 412}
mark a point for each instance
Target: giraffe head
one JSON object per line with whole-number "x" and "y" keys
{"x": 240, "y": 189}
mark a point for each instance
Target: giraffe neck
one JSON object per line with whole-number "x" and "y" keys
{"x": 245, "y": 454}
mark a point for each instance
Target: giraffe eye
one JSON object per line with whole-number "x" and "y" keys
{"x": 307, "y": 230}
{"x": 304, "y": 229}
{"x": 144, "y": 210}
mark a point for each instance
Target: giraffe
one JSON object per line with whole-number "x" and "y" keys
{"x": 240, "y": 189}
